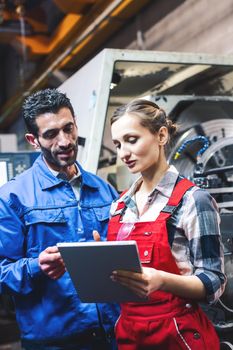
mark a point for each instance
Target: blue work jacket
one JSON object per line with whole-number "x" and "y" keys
{"x": 38, "y": 210}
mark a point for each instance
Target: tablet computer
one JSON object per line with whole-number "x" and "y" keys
{"x": 90, "y": 265}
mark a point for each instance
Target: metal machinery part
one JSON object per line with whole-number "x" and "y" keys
{"x": 220, "y": 134}
{"x": 213, "y": 170}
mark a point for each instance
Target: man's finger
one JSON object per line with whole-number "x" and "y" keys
{"x": 53, "y": 249}
{"x": 50, "y": 258}
{"x": 96, "y": 236}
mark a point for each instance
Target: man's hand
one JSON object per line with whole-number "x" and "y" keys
{"x": 51, "y": 263}
{"x": 96, "y": 236}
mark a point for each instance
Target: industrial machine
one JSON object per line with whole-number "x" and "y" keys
{"x": 14, "y": 163}
{"x": 203, "y": 153}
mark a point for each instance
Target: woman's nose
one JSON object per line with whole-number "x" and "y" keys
{"x": 123, "y": 152}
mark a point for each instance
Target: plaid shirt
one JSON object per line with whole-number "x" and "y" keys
{"x": 193, "y": 230}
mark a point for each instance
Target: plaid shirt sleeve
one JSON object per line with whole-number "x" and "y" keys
{"x": 199, "y": 220}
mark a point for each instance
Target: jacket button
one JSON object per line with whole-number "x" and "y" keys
{"x": 196, "y": 335}
{"x": 146, "y": 253}
{"x": 188, "y": 306}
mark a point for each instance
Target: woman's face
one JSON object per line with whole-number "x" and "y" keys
{"x": 136, "y": 146}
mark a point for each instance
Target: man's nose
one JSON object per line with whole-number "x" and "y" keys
{"x": 63, "y": 139}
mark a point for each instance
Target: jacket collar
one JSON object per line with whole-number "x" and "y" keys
{"x": 87, "y": 178}
{"x": 48, "y": 180}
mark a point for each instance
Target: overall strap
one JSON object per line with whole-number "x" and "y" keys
{"x": 177, "y": 194}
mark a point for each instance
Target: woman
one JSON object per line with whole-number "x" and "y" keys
{"x": 176, "y": 226}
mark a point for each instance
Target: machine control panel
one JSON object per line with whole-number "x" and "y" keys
{"x": 13, "y": 164}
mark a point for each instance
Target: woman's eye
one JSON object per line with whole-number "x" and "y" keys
{"x": 132, "y": 140}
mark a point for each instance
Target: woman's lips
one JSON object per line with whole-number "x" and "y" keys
{"x": 130, "y": 164}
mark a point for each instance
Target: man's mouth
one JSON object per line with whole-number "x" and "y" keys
{"x": 67, "y": 153}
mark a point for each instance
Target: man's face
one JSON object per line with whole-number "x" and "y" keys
{"x": 58, "y": 138}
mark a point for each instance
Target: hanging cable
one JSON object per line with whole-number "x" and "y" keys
{"x": 203, "y": 139}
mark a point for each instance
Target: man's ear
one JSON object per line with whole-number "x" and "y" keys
{"x": 32, "y": 140}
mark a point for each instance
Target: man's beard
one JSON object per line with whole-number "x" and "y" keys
{"x": 51, "y": 157}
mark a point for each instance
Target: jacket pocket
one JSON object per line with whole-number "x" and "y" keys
{"x": 100, "y": 222}
{"x": 45, "y": 227}
{"x": 52, "y": 216}
{"x": 102, "y": 214}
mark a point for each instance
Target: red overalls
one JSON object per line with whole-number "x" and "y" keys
{"x": 165, "y": 321}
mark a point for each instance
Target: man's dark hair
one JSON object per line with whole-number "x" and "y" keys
{"x": 43, "y": 101}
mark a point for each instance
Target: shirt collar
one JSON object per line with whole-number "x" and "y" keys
{"x": 48, "y": 179}
{"x": 56, "y": 173}
{"x": 165, "y": 185}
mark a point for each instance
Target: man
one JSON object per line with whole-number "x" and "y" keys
{"x": 53, "y": 201}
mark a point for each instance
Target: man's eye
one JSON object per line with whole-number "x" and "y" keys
{"x": 50, "y": 135}
{"x": 69, "y": 128}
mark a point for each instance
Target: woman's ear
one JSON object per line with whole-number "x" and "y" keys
{"x": 32, "y": 140}
{"x": 163, "y": 135}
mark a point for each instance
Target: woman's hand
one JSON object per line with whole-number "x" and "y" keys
{"x": 142, "y": 284}
{"x": 151, "y": 280}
